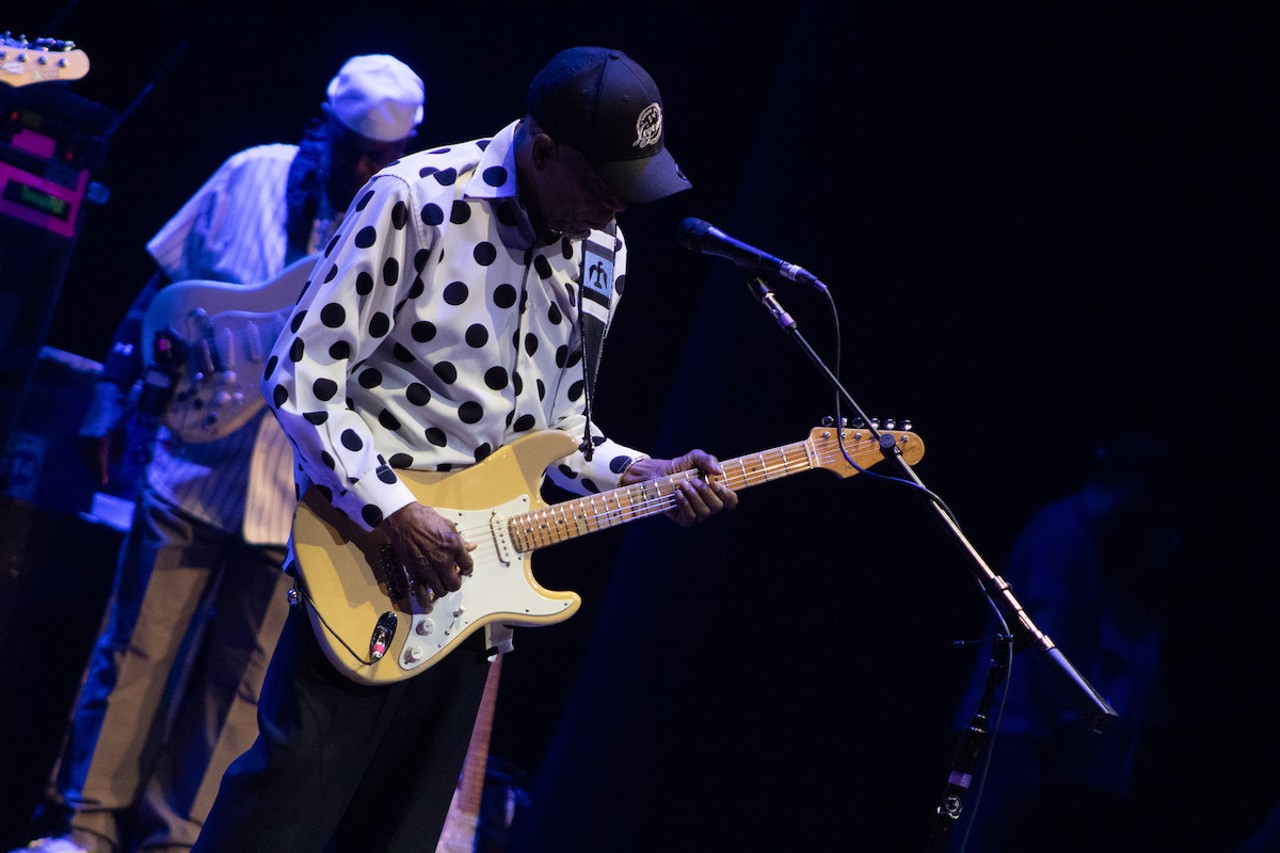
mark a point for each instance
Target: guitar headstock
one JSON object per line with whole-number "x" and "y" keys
{"x": 825, "y": 446}
{"x": 40, "y": 61}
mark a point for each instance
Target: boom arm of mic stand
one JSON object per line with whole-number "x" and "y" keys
{"x": 1094, "y": 710}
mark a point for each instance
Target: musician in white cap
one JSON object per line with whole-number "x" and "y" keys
{"x": 170, "y": 696}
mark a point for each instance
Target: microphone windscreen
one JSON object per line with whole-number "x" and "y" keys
{"x": 691, "y": 232}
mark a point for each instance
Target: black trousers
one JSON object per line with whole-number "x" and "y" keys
{"x": 340, "y": 766}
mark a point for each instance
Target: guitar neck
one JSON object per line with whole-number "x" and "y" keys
{"x": 44, "y": 60}
{"x": 573, "y": 518}
{"x": 471, "y": 785}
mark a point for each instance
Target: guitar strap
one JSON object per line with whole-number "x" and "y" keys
{"x": 596, "y": 293}
{"x": 595, "y": 290}
{"x": 306, "y": 202}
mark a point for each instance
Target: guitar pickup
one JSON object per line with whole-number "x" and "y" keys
{"x": 501, "y": 532}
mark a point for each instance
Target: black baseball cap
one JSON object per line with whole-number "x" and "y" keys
{"x": 602, "y": 103}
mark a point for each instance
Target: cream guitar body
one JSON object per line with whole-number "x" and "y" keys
{"x": 377, "y": 626}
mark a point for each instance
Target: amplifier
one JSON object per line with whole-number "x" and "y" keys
{"x": 50, "y": 142}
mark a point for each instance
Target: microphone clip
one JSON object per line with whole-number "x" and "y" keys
{"x": 765, "y": 297}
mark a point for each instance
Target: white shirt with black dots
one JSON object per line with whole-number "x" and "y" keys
{"x": 436, "y": 329}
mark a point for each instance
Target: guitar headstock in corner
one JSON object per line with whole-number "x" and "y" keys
{"x": 863, "y": 448}
{"x": 40, "y": 61}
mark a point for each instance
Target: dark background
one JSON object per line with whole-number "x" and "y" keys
{"x": 1037, "y": 225}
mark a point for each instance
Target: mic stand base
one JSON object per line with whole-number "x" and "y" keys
{"x": 973, "y": 741}
{"x": 1092, "y": 708}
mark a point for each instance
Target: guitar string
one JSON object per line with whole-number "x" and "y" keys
{"x": 662, "y": 501}
{"x": 552, "y": 519}
{"x": 650, "y": 503}
{"x": 666, "y": 500}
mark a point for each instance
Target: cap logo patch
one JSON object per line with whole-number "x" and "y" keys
{"x": 648, "y": 127}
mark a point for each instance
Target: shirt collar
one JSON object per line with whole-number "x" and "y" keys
{"x": 497, "y": 163}
{"x": 494, "y": 179}
{"x": 499, "y": 159}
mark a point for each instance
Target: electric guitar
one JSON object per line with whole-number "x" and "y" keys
{"x": 377, "y": 626}
{"x": 23, "y": 62}
{"x": 206, "y": 343}
{"x": 460, "y": 825}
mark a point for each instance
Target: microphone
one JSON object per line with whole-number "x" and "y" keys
{"x": 704, "y": 238}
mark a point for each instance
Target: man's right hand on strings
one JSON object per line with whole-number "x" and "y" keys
{"x": 431, "y": 548}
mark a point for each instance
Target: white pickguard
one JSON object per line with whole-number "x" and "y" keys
{"x": 496, "y": 590}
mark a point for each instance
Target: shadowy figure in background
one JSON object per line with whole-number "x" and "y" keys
{"x": 170, "y": 697}
{"x": 1092, "y": 571}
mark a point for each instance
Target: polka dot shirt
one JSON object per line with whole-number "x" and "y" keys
{"x": 436, "y": 328}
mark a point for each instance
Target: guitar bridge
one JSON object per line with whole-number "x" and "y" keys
{"x": 396, "y": 577}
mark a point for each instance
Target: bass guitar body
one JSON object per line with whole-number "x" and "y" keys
{"x": 208, "y": 341}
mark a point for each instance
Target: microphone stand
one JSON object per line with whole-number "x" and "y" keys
{"x": 1095, "y": 712}
{"x": 972, "y": 742}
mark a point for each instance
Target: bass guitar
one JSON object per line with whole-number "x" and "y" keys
{"x": 377, "y": 626}
{"x": 205, "y": 344}
{"x": 40, "y": 61}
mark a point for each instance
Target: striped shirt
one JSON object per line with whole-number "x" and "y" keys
{"x": 231, "y": 230}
